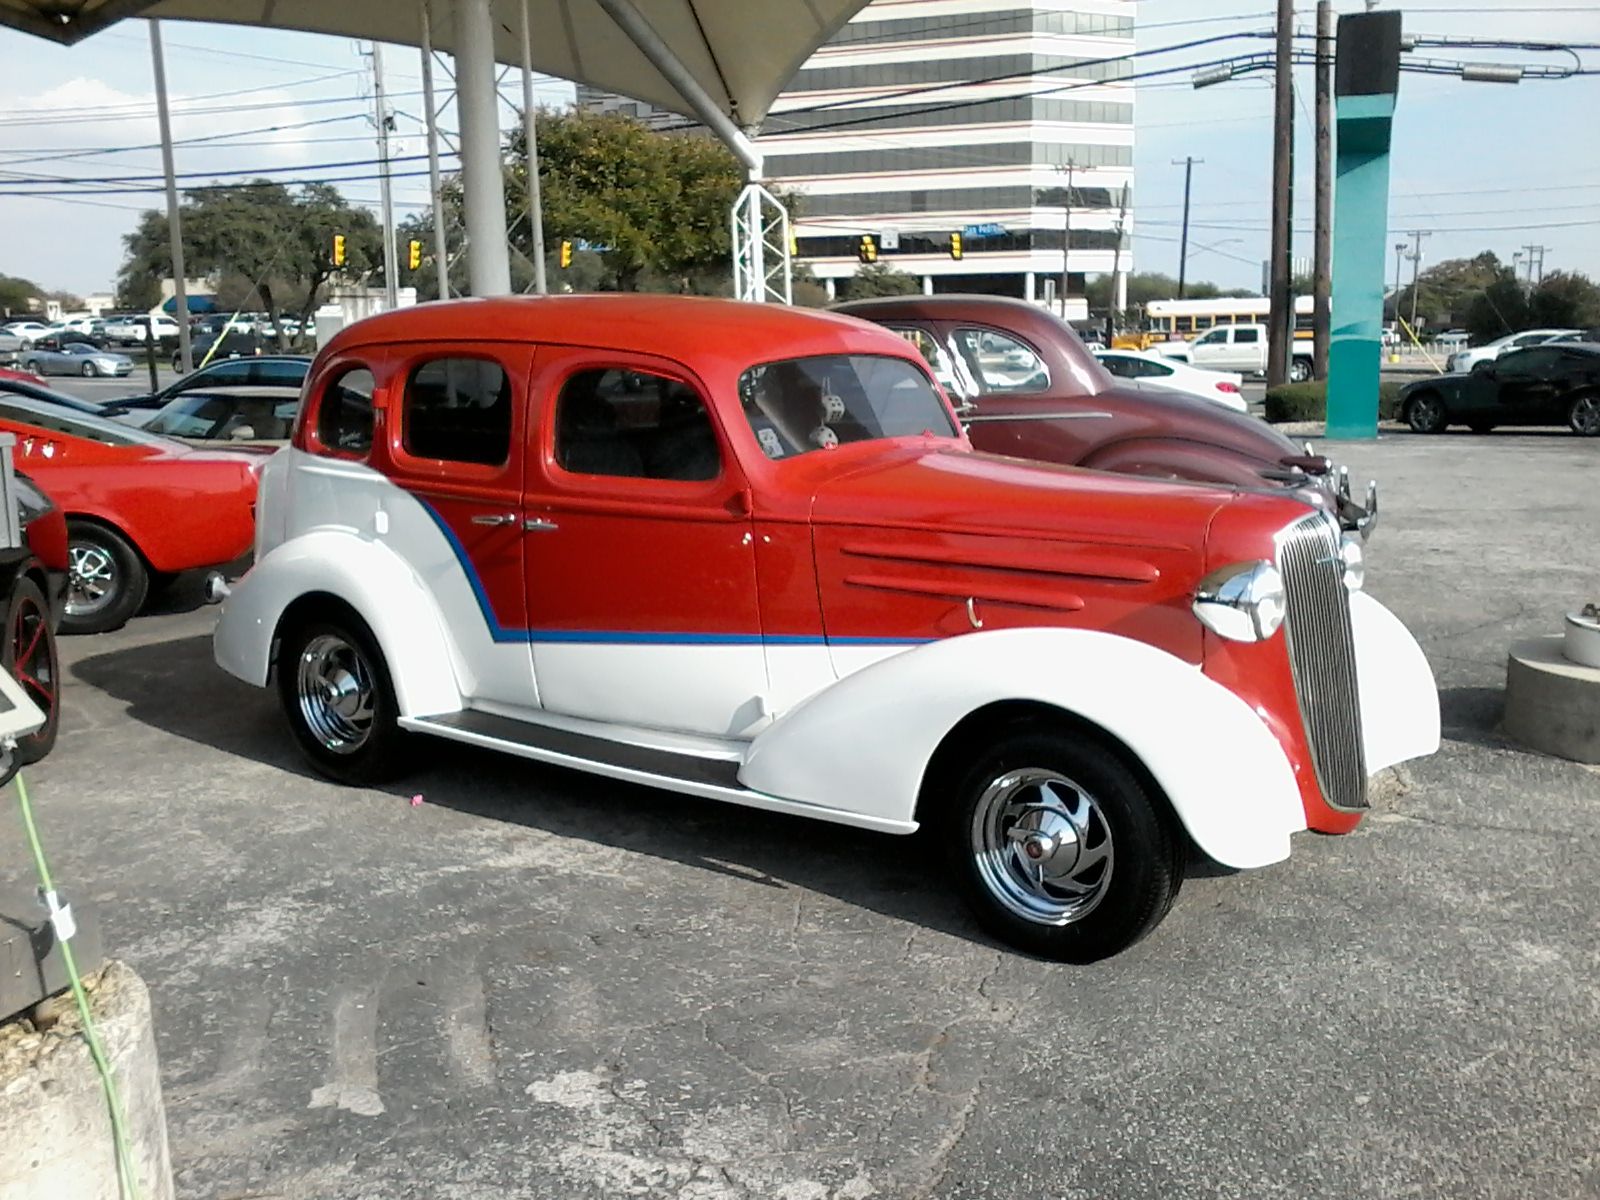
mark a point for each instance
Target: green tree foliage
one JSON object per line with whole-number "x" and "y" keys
{"x": 1500, "y": 308}
{"x": 264, "y": 238}
{"x": 17, "y": 295}
{"x": 1445, "y": 292}
{"x": 1565, "y": 300}
{"x": 878, "y": 279}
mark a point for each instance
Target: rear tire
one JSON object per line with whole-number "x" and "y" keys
{"x": 1299, "y": 370}
{"x": 31, "y": 658}
{"x": 31, "y": 365}
{"x": 107, "y": 580}
{"x": 1584, "y": 414}
{"x": 338, "y": 698}
{"x": 1058, "y": 848}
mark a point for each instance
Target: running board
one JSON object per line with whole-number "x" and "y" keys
{"x": 710, "y": 778}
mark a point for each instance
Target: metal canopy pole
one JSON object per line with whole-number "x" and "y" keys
{"x": 391, "y": 284}
{"x": 180, "y": 293}
{"x": 530, "y": 135}
{"x": 441, "y": 241}
{"x": 482, "y": 181}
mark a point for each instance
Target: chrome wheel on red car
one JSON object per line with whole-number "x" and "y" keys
{"x": 335, "y": 690}
{"x": 106, "y": 579}
{"x": 1057, "y": 845}
{"x": 1042, "y": 846}
{"x": 30, "y": 656}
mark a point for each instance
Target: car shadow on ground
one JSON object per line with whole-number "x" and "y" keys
{"x": 1473, "y": 715}
{"x": 176, "y": 687}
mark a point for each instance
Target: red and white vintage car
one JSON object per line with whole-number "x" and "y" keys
{"x": 745, "y": 552}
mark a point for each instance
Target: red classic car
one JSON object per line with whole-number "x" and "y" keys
{"x": 746, "y": 552}
{"x": 1028, "y": 386}
{"x": 138, "y": 507}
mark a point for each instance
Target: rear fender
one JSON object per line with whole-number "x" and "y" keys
{"x": 865, "y": 743}
{"x": 381, "y": 589}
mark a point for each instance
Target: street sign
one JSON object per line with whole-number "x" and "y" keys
{"x": 889, "y": 239}
{"x": 986, "y": 229}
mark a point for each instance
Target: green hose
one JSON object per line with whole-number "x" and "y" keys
{"x": 127, "y": 1177}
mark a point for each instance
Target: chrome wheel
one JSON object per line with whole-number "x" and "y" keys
{"x": 336, "y": 695}
{"x": 92, "y": 582}
{"x": 1042, "y": 846}
{"x": 1426, "y": 414}
{"x": 1585, "y": 417}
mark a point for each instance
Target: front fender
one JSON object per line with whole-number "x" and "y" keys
{"x": 1163, "y": 457}
{"x": 373, "y": 581}
{"x": 865, "y": 742}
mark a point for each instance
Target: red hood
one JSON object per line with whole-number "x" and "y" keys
{"x": 953, "y": 490}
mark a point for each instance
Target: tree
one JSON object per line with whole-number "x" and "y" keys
{"x": 1498, "y": 309}
{"x": 261, "y": 239}
{"x": 1445, "y": 292}
{"x": 1565, "y": 300}
{"x": 17, "y": 295}
{"x": 878, "y": 279}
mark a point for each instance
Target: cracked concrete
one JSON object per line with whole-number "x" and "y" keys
{"x": 579, "y": 989}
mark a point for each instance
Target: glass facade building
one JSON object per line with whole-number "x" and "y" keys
{"x": 923, "y": 118}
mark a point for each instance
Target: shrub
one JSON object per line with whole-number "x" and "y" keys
{"x": 1309, "y": 402}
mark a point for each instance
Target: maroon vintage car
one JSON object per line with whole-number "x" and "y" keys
{"x": 1027, "y": 387}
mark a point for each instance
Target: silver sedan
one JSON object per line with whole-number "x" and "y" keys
{"x": 76, "y": 358}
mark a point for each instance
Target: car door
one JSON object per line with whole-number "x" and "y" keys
{"x": 457, "y": 419}
{"x": 639, "y": 545}
{"x": 1211, "y": 349}
{"x": 1527, "y": 386}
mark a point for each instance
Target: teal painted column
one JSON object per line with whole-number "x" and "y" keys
{"x": 1366, "y": 80}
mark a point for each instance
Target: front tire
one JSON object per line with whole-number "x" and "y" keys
{"x": 106, "y": 581}
{"x": 1584, "y": 414}
{"x": 88, "y": 371}
{"x": 1425, "y": 413}
{"x": 337, "y": 696}
{"x": 30, "y": 656}
{"x": 1058, "y": 848}
{"x": 1299, "y": 370}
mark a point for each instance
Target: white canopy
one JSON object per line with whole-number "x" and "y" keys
{"x": 739, "y": 52}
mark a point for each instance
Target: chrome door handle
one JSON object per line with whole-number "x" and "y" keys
{"x": 538, "y": 525}
{"x": 496, "y": 519}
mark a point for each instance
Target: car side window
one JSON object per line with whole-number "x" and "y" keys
{"x": 634, "y": 425}
{"x": 1215, "y": 338}
{"x": 1246, "y": 335}
{"x": 344, "y": 418}
{"x": 1001, "y": 363}
{"x": 458, "y": 410}
{"x": 278, "y": 374}
{"x": 1118, "y": 364}
{"x": 222, "y": 375}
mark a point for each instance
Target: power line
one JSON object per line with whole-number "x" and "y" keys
{"x": 96, "y": 117}
{"x": 143, "y": 109}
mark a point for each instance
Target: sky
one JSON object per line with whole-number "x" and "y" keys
{"x": 1480, "y": 166}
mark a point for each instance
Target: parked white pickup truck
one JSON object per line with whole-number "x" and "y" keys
{"x": 131, "y": 330}
{"x": 1241, "y": 348}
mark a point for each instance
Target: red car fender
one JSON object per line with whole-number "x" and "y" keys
{"x": 1167, "y": 458}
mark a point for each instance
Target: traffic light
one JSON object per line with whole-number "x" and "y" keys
{"x": 414, "y": 254}
{"x": 867, "y": 252}
{"x": 338, "y": 249}
{"x": 794, "y": 245}
{"x": 566, "y": 254}
{"x": 955, "y": 245}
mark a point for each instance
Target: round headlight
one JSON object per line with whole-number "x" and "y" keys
{"x": 1243, "y": 602}
{"x": 1354, "y": 557}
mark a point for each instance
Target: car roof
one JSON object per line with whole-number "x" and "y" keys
{"x": 949, "y": 306}
{"x": 661, "y": 325}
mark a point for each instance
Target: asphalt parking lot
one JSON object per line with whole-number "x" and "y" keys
{"x": 538, "y": 984}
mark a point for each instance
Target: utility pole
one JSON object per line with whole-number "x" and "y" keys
{"x": 1416, "y": 269}
{"x": 1535, "y": 255}
{"x": 1280, "y": 323}
{"x": 1322, "y": 244}
{"x": 1188, "y": 162}
{"x": 1399, "y": 259}
{"x": 441, "y": 240}
{"x": 1066, "y": 233}
{"x": 180, "y": 292}
{"x": 530, "y": 137}
{"x": 1119, "y": 291}
{"x": 391, "y": 286}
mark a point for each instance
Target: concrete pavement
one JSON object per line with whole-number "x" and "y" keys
{"x": 539, "y": 984}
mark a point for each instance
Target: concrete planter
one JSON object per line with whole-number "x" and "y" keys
{"x": 1582, "y": 643}
{"x": 55, "y": 1128}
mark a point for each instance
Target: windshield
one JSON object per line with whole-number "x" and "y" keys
{"x": 806, "y": 404}
{"x": 75, "y": 424}
{"x": 239, "y": 418}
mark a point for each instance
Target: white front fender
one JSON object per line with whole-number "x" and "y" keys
{"x": 1399, "y": 699}
{"x": 372, "y": 580}
{"x": 865, "y": 742}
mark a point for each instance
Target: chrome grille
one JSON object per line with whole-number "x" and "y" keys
{"x": 1322, "y": 657}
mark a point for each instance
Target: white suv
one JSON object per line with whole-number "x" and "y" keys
{"x": 132, "y": 329}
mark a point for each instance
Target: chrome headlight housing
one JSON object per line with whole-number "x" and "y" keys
{"x": 1353, "y": 555}
{"x": 1243, "y": 602}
